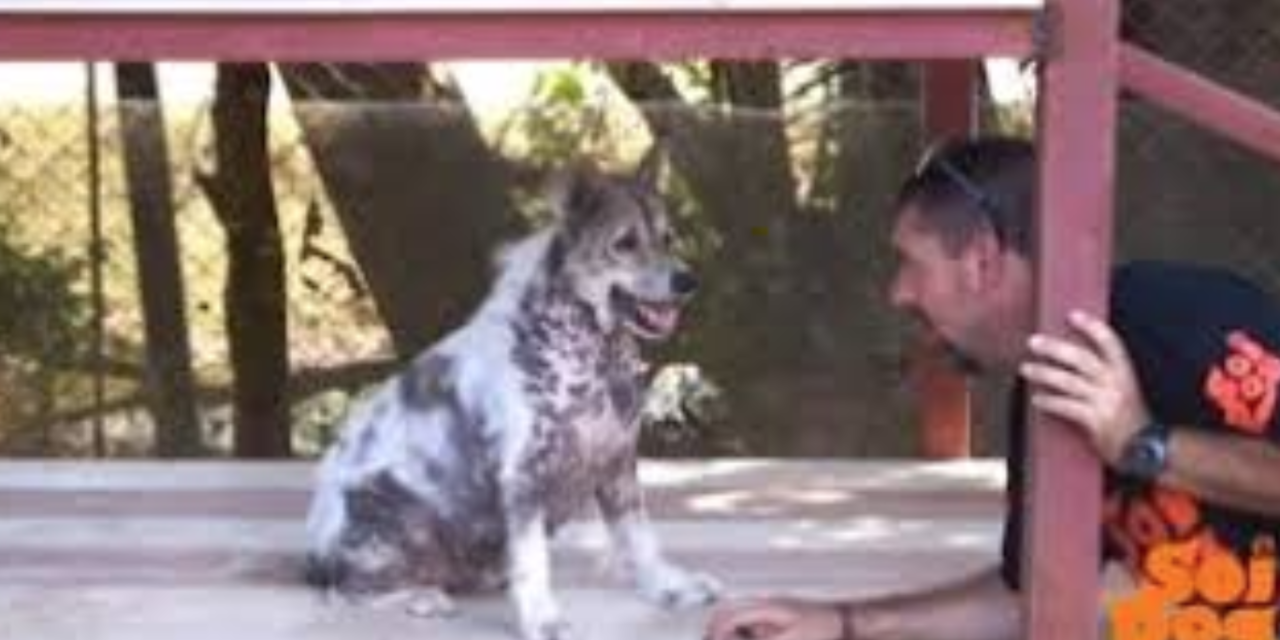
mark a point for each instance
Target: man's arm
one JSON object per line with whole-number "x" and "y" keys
{"x": 1225, "y": 469}
{"x": 981, "y": 607}
{"x": 1092, "y": 385}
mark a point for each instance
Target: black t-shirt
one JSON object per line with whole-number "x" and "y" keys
{"x": 1204, "y": 343}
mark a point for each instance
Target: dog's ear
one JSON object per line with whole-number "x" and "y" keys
{"x": 650, "y": 168}
{"x": 576, "y": 192}
{"x": 575, "y": 195}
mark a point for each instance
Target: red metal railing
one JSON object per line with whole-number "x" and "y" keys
{"x": 366, "y": 36}
{"x": 1082, "y": 66}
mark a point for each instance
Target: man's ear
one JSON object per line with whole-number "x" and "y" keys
{"x": 985, "y": 257}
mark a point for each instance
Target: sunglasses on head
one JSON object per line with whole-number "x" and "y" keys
{"x": 934, "y": 160}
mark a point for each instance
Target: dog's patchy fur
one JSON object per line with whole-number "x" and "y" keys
{"x": 454, "y": 474}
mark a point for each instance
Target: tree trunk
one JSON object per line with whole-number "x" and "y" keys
{"x": 241, "y": 192}
{"x": 420, "y": 197}
{"x": 735, "y": 162}
{"x": 168, "y": 378}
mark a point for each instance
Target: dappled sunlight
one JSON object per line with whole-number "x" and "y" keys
{"x": 872, "y": 529}
{"x": 967, "y": 539}
{"x": 759, "y": 526}
{"x": 765, "y": 502}
{"x": 722, "y": 502}
{"x": 876, "y": 473}
{"x": 815, "y": 496}
{"x": 905, "y": 474}
{"x": 870, "y": 534}
{"x": 885, "y": 534}
{"x": 759, "y": 488}
{"x": 805, "y": 534}
{"x": 678, "y": 473}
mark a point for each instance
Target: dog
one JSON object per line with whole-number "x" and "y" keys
{"x": 452, "y": 476}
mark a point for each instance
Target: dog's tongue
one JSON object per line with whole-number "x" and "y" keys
{"x": 660, "y": 317}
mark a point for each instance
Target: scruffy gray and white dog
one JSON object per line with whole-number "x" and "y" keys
{"x": 453, "y": 475}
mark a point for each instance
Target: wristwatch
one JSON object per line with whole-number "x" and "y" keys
{"x": 1146, "y": 455}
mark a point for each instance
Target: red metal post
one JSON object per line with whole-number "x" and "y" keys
{"x": 1243, "y": 120}
{"x": 942, "y": 393}
{"x": 226, "y": 35}
{"x": 1077, "y": 120}
{"x": 950, "y": 97}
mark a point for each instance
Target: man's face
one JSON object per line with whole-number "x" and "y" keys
{"x": 941, "y": 288}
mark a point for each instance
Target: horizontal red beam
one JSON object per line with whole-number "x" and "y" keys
{"x": 905, "y": 35}
{"x": 1235, "y": 116}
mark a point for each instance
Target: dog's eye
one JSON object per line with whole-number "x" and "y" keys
{"x": 627, "y": 242}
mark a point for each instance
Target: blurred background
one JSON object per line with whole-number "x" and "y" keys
{"x": 218, "y": 260}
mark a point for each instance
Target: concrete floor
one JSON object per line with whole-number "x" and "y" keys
{"x": 198, "y": 550}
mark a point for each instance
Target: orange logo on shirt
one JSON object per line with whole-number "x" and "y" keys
{"x": 1195, "y": 591}
{"x": 1244, "y": 385}
{"x": 1138, "y": 523}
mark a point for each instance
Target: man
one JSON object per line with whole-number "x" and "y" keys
{"x": 1176, "y": 394}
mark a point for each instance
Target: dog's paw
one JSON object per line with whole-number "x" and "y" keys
{"x": 431, "y": 603}
{"x": 672, "y": 587}
{"x": 421, "y": 603}
{"x": 552, "y": 629}
{"x": 540, "y": 617}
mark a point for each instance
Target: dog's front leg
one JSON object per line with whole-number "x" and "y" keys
{"x": 659, "y": 581}
{"x": 529, "y": 569}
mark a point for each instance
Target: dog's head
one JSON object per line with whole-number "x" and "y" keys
{"x": 613, "y": 248}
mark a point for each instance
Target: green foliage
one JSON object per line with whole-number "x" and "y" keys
{"x": 557, "y": 118}
{"x": 43, "y": 329}
{"x": 45, "y": 318}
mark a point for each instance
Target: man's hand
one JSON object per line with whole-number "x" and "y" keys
{"x": 776, "y": 619}
{"x": 1089, "y": 383}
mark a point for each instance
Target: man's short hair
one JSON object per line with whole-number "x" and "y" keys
{"x": 967, "y": 185}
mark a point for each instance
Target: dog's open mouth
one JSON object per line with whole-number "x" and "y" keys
{"x": 648, "y": 319}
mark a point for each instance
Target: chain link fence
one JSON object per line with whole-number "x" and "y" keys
{"x": 74, "y": 361}
{"x": 391, "y": 189}
{"x": 386, "y": 182}
{"x": 1185, "y": 193}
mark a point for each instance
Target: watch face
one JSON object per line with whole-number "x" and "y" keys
{"x": 1145, "y": 457}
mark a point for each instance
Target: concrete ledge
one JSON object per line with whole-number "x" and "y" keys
{"x": 151, "y": 550}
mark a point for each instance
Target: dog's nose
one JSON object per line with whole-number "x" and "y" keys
{"x": 684, "y": 283}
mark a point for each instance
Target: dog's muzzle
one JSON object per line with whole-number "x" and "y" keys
{"x": 654, "y": 319}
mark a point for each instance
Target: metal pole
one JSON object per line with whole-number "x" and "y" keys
{"x": 96, "y": 256}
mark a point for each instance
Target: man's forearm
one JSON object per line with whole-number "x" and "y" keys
{"x": 979, "y": 608}
{"x": 1225, "y": 469}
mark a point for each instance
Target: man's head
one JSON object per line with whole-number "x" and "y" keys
{"x": 963, "y": 241}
